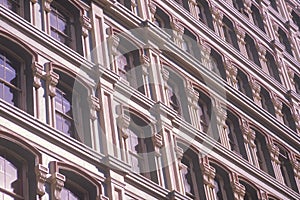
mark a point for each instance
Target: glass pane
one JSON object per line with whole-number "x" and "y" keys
{"x": 135, "y": 164}
{"x": 9, "y": 176}
{"x": 68, "y": 195}
{"x": 6, "y": 197}
{"x": 8, "y": 95}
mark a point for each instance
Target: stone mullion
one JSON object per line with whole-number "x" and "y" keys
{"x": 237, "y": 188}
{"x": 255, "y": 91}
{"x": 221, "y": 116}
{"x": 51, "y": 82}
{"x": 123, "y": 122}
{"x": 217, "y": 16}
{"x": 261, "y": 49}
{"x": 47, "y": 9}
{"x": 165, "y": 77}
{"x": 57, "y": 183}
{"x": 277, "y": 106}
{"x": 209, "y": 174}
{"x": 231, "y": 73}
{"x": 296, "y": 169}
{"x": 193, "y": 9}
{"x": 86, "y": 27}
{"x": 145, "y": 67}
{"x": 94, "y": 105}
{"x": 247, "y": 9}
{"x": 152, "y": 10}
{"x": 41, "y": 173}
{"x": 158, "y": 144}
{"x": 249, "y": 137}
{"x": 113, "y": 43}
{"x": 178, "y": 31}
{"x": 295, "y": 110}
{"x": 293, "y": 41}
{"x": 274, "y": 153}
{"x": 192, "y": 97}
{"x": 240, "y": 33}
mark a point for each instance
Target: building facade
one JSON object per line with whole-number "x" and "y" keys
{"x": 149, "y": 99}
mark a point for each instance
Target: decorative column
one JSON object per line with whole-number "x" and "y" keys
{"x": 221, "y": 116}
{"x": 255, "y": 91}
{"x": 113, "y": 43}
{"x": 86, "y": 26}
{"x": 277, "y": 106}
{"x": 41, "y": 173}
{"x": 38, "y": 73}
{"x": 178, "y": 31}
{"x": 165, "y": 76}
{"x": 231, "y": 73}
{"x": 152, "y": 9}
{"x": 51, "y": 82}
{"x": 217, "y": 16}
{"x": 274, "y": 154}
{"x": 193, "y": 8}
{"x": 295, "y": 109}
{"x": 237, "y": 188}
{"x": 94, "y": 106}
{"x": 240, "y": 33}
{"x": 158, "y": 144}
{"x": 145, "y": 74}
{"x": 262, "y": 50}
{"x": 205, "y": 55}
{"x": 249, "y": 137}
{"x": 192, "y": 98}
{"x": 57, "y": 183}
{"x": 47, "y": 9}
{"x": 123, "y": 122}
{"x": 208, "y": 173}
{"x": 247, "y": 9}
{"x": 296, "y": 168}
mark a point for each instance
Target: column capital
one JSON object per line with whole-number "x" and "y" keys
{"x": 41, "y": 177}
{"x": 57, "y": 183}
{"x": 51, "y": 79}
{"x": 38, "y": 72}
{"x": 86, "y": 25}
{"x": 94, "y": 106}
{"x": 47, "y": 5}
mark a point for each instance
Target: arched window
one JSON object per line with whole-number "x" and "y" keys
{"x": 16, "y": 79}
{"x": 184, "y": 4}
{"x": 141, "y": 148}
{"x": 286, "y": 169}
{"x": 288, "y": 118}
{"x": 71, "y": 108}
{"x": 262, "y": 153}
{"x": 161, "y": 19}
{"x": 273, "y": 4}
{"x": 235, "y": 136}
{"x": 283, "y": 39}
{"x": 191, "y": 175}
{"x": 243, "y": 84}
{"x": 64, "y": 24}
{"x": 190, "y": 44}
{"x": 266, "y": 101}
{"x": 205, "y": 111}
{"x": 229, "y": 33}
{"x": 272, "y": 67}
{"x": 296, "y": 19}
{"x": 222, "y": 187}
{"x": 78, "y": 184}
{"x": 258, "y": 21}
{"x": 250, "y": 193}
{"x": 217, "y": 65}
{"x": 239, "y": 5}
{"x": 10, "y": 79}
{"x": 17, "y": 164}
{"x": 205, "y": 15}
{"x": 132, "y": 5}
{"x": 176, "y": 94}
{"x": 297, "y": 83}
{"x": 251, "y": 50}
